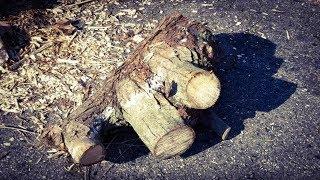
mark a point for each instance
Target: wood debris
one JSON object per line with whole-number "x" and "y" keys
{"x": 67, "y": 58}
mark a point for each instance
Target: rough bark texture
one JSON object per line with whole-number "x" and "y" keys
{"x": 158, "y": 123}
{"x": 188, "y": 85}
{"x": 161, "y": 74}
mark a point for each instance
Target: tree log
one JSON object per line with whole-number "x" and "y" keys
{"x": 163, "y": 73}
{"x": 154, "y": 119}
{"x": 212, "y": 121}
{"x": 189, "y": 85}
{"x": 82, "y": 148}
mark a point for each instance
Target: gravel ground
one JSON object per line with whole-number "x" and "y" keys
{"x": 270, "y": 74}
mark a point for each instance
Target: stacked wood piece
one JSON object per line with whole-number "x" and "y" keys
{"x": 161, "y": 76}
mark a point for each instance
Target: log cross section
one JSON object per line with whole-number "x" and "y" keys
{"x": 161, "y": 75}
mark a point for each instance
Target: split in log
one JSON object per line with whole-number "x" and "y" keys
{"x": 163, "y": 73}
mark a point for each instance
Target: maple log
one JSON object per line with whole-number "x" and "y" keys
{"x": 158, "y": 123}
{"x": 161, "y": 75}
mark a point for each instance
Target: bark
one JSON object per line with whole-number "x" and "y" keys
{"x": 188, "y": 85}
{"x": 155, "y": 120}
{"x": 161, "y": 74}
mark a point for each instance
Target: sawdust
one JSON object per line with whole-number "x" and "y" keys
{"x": 68, "y": 57}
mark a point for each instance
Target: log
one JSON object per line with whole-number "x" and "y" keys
{"x": 83, "y": 149}
{"x": 212, "y": 121}
{"x": 154, "y": 119}
{"x": 195, "y": 87}
{"x": 161, "y": 75}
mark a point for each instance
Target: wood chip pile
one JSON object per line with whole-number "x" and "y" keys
{"x": 67, "y": 57}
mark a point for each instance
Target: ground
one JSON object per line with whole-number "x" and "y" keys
{"x": 269, "y": 69}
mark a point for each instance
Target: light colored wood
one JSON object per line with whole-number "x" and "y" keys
{"x": 189, "y": 85}
{"x": 83, "y": 149}
{"x": 174, "y": 52}
{"x": 203, "y": 90}
{"x": 154, "y": 119}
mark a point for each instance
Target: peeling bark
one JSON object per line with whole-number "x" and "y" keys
{"x": 163, "y": 73}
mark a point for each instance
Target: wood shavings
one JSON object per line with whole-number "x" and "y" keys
{"x": 137, "y": 38}
{"x": 7, "y": 144}
{"x": 63, "y": 64}
{"x": 207, "y": 5}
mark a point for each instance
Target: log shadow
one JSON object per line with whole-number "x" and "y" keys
{"x": 124, "y": 145}
{"x": 246, "y": 65}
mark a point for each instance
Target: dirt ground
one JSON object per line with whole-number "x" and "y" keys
{"x": 270, "y": 74}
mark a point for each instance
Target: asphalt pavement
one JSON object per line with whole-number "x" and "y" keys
{"x": 269, "y": 67}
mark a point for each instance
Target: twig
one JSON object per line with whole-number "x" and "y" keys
{"x": 22, "y": 129}
{"x": 21, "y": 118}
{"x": 80, "y": 3}
{"x": 4, "y": 154}
{"x": 87, "y": 172}
{"x": 57, "y": 154}
{"x": 39, "y": 160}
{"x": 98, "y": 27}
{"x": 72, "y": 38}
{"x": 25, "y": 136}
{"x": 19, "y": 63}
{"x": 276, "y": 10}
{"x": 70, "y": 167}
{"x": 288, "y": 35}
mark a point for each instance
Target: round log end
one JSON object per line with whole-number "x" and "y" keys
{"x": 93, "y": 155}
{"x": 203, "y": 90}
{"x": 87, "y": 153}
{"x": 175, "y": 142}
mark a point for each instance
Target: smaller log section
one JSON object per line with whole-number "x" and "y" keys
{"x": 155, "y": 120}
{"x": 161, "y": 75}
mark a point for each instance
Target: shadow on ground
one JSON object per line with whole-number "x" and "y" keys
{"x": 245, "y": 68}
{"x": 124, "y": 146}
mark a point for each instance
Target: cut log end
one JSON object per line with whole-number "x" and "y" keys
{"x": 212, "y": 121}
{"x": 86, "y": 152}
{"x": 203, "y": 90}
{"x": 83, "y": 149}
{"x": 175, "y": 142}
{"x": 93, "y": 155}
{"x": 225, "y": 134}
